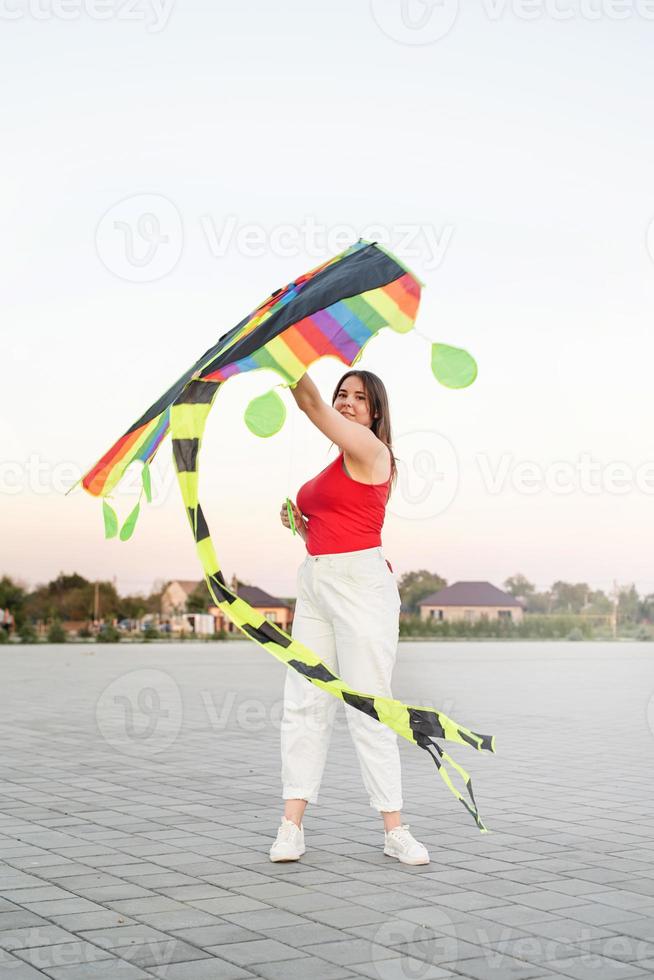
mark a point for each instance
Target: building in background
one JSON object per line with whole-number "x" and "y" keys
{"x": 278, "y": 611}
{"x": 469, "y": 602}
{"x": 175, "y": 596}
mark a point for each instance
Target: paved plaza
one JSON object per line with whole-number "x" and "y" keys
{"x": 139, "y": 795}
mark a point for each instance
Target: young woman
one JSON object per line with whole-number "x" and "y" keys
{"x": 347, "y": 611}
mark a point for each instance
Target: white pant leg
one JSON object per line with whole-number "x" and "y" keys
{"x": 308, "y": 715}
{"x": 363, "y": 599}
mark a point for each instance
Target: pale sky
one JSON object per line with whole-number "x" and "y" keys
{"x": 509, "y": 162}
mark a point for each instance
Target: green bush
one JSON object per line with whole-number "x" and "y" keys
{"x": 575, "y": 634}
{"x": 4, "y": 636}
{"x": 151, "y": 633}
{"x": 85, "y": 633}
{"x": 108, "y": 634}
{"x": 56, "y": 633}
{"x": 644, "y": 633}
{"x": 28, "y": 634}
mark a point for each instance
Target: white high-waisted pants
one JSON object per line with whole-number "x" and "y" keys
{"x": 347, "y": 613}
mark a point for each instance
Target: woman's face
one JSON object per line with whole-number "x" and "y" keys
{"x": 352, "y": 402}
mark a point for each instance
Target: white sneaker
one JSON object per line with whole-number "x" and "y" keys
{"x": 289, "y": 845}
{"x": 400, "y": 844}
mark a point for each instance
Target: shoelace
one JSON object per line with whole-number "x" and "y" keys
{"x": 285, "y": 831}
{"x": 402, "y": 835}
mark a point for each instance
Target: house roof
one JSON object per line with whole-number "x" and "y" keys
{"x": 184, "y": 584}
{"x": 257, "y": 597}
{"x": 469, "y": 594}
{"x": 251, "y": 593}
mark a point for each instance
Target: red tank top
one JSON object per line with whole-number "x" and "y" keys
{"x": 343, "y": 514}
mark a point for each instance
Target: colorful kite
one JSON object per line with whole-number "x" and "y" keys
{"x": 333, "y": 310}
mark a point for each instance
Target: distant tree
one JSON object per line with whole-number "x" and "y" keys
{"x": 628, "y": 605}
{"x": 568, "y": 598}
{"x": 414, "y": 586}
{"x": 598, "y": 603}
{"x": 646, "y": 609}
{"x": 27, "y": 633}
{"x": 153, "y": 601}
{"x": 519, "y": 587}
{"x": 56, "y": 633}
{"x": 200, "y": 599}
{"x": 132, "y": 606}
{"x": 72, "y": 597}
{"x": 12, "y": 597}
{"x": 538, "y": 603}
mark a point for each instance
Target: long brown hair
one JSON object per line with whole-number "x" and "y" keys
{"x": 378, "y": 405}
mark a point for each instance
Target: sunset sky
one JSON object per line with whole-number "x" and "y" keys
{"x": 163, "y": 173}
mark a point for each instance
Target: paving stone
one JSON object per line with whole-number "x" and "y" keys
{"x": 207, "y": 936}
{"x": 624, "y": 948}
{"x": 256, "y": 951}
{"x": 63, "y": 906}
{"x": 403, "y": 968}
{"x": 12, "y": 968}
{"x": 82, "y": 921}
{"x": 27, "y": 896}
{"x": 305, "y": 934}
{"x": 499, "y": 968}
{"x": 301, "y": 969}
{"x": 231, "y": 903}
{"x": 159, "y": 953}
{"x": 212, "y": 968}
{"x": 110, "y": 969}
{"x": 593, "y": 967}
{"x": 41, "y": 935}
{"x": 264, "y": 919}
{"x": 62, "y": 954}
{"x": 350, "y": 951}
{"x": 305, "y": 904}
{"x": 124, "y": 935}
{"x": 18, "y": 920}
{"x": 347, "y": 915}
{"x": 175, "y": 919}
{"x": 603, "y": 915}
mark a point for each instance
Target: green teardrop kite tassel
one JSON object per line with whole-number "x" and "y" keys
{"x": 453, "y": 367}
{"x": 110, "y": 520}
{"x": 147, "y": 482}
{"x": 127, "y": 529}
{"x": 265, "y": 415}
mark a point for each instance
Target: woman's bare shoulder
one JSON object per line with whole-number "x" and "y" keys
{"x": 374, "y": 468}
